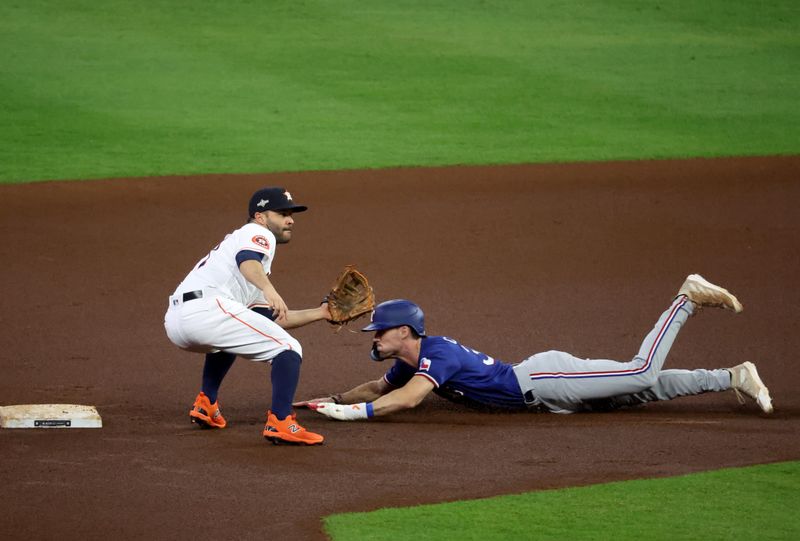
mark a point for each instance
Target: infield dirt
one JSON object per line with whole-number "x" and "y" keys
{"x": 510, "y": 260}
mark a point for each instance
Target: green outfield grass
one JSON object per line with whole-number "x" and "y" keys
{"x": 759, "y": 502}
{"x": 116, "y": 88}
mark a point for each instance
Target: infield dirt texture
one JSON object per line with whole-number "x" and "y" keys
{"x": 510, "y": 260}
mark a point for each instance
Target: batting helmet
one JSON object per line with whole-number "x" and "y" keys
{"x": 395, "y": 313}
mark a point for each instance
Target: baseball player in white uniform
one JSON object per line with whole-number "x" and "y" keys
{"x": 228, "y": 307}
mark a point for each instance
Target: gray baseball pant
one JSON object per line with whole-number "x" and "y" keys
{"x": 563, "y": 383}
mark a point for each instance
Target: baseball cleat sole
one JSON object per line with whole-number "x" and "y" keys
{"x": 277, "y": 440}
{"x": 745, "y": 380}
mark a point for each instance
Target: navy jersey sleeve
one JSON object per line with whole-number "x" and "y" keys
{"x": 246, "y": 255}
{"x": 439, "y": 360}
{"x": 399, "y": 374}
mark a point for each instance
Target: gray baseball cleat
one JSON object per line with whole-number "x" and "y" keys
{"x": 703, "y": 293}
{"x": 744, "y": 379}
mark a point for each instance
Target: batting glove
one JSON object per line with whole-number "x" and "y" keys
{"x": 343, "y": 412}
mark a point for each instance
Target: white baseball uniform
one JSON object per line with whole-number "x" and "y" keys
{"x": 210, "y": 310}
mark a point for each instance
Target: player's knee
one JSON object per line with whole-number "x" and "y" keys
{"x": 649, "y": 378}
{"x": 294, "y": 345}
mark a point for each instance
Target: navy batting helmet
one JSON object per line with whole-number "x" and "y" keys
{"x": 395, "y": 313}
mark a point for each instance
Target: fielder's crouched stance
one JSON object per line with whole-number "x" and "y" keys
{"x": 227, "y": 306}
{"x": 551, "y": 381}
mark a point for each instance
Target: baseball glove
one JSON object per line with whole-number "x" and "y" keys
{"x": 351, "y": 297}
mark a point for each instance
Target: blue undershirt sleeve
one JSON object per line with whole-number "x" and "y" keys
{"x": 246, "y": 255}
{"x": 264, "y": 311}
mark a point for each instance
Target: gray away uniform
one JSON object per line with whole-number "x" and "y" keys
{"x": 562, "y": 383}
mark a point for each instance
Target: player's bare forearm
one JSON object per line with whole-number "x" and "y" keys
{"x": 366, "y": 392}
{"x": 298, "y": 318}
{"x": 254, "y": 273}
{"x": 406, "y": 397}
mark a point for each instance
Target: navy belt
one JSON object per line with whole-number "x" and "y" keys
{"x": 533, "y": 404}
{"x": 192, "y": 295}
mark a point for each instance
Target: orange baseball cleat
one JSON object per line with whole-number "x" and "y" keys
{"x": 289, "y": 432}
{"x": 206, "y": 414}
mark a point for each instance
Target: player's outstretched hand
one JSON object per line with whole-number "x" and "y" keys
{"x": 310, "y": 403}
{"x": 340, "y": 412}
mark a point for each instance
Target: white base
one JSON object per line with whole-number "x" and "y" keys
{"x": 49, "y": 416}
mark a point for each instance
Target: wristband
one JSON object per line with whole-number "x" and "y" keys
{"x": 337, "y": 398}
{"x": 370, "y": 412}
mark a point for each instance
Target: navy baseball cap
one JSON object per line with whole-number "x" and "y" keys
{"x": 273, "y": 198}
